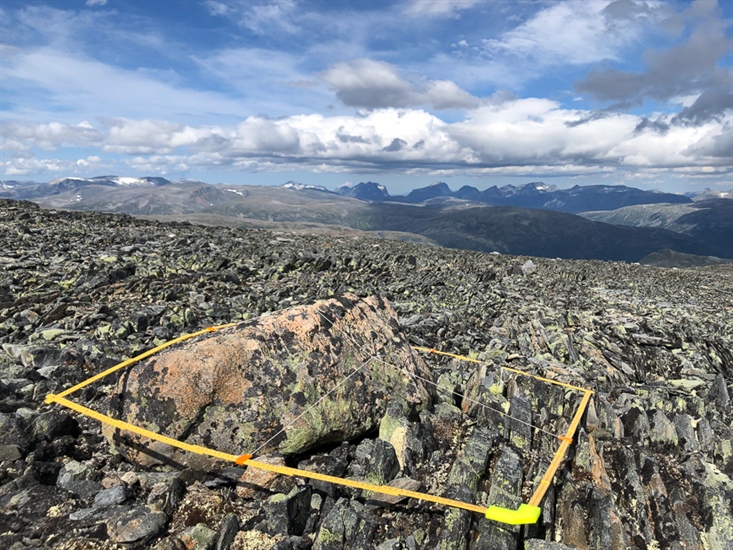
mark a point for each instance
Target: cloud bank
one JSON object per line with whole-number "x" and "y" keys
{"x": 516, "y": 136}
{"x": 622, "y": 88}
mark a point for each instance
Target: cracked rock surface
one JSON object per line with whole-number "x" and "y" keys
{"x": 651, "y": 465}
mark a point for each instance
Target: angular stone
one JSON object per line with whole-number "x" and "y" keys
{"x": 382, "y": 464}
{"x": 54, "y": 424}
{"x": 339, "y": 527}
{"x": 607, "y": 529}
{"x": 636, "y": 423}
{"x": 686, "y": 433}
{"x": 12, "y": 431}
{"x": 75, "y": 477}
{"x": 468, "y": 469}
{"x": 237, "y": 388}
{"x": 506, "y": 480}
{"x": 10, "y": 453}
{"x": 528, "y": 267}
{"x": 505, "y": 491}
{"x": 689, "y": 535}
{"x": 254, "y": 479}
{"x": 592, "y": 422}
{"x": 198, "y": 537}
{"x": 719, "y": 392}
{"x": 334, "y": 464}
{"x": 227, "y": 532}
{"x": 288, "y": 514}
{"x": 137, "y": 524}
{"x": 662, "y": 430}
{"x": 663, "y": 521}
{"x": 401, "y": 483}
{"x": 456, "y": 523}
{"x": 110, "y": 497}
{"x": 570, "y": 504}
{"x": 520, "y": 411}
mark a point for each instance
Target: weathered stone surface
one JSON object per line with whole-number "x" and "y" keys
{"x": 234, "y": 390}
{"x": 456, "y": 522}
{"x": 288, "y": 514}
{"x": 110, "y": 497}
{"x": 198, "y": 537}
{"x": 341, "y": 527}
{"x": 137, "y": 524}
{"x": 375, "y": 462}
{"x": 76, "y": 477}
{"x": 81, "y": 292}
{"x": 227, "y": 532}
{"x": 254, "y": 479}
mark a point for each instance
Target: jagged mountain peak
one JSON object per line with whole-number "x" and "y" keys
{"x": 367, "y": 191}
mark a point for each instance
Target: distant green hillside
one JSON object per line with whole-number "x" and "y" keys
{"x": 709, "y": 221}
{"x": 531, "y": 232}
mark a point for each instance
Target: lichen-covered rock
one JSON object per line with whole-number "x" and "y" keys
{"x": 650, "y": 468}
{"x": 234, "y": 390}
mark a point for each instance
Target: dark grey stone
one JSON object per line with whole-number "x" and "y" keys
{"x": 137, "y": 524}
{"x": 288, "y": 514}
{"x": 110, "y": 497}
{"x": 227, "y": 532}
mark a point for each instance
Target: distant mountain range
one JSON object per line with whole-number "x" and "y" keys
{"x": 533, "y": 219}
{"x": 531, "y": 195}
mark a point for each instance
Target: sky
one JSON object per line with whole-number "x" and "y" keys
{"x": 402, "y": 92}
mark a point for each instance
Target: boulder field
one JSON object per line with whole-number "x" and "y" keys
{"x": 651, "y": 465}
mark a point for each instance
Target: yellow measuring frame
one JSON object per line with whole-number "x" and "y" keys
{"x": 532, "y": 507}
{"x": 525, "y": 514}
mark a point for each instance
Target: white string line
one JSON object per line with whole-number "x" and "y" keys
{"x": 466, "y": 398}
{"x": 427, "y": 381}
{"x": 324, "y": 396}
{"x": 403, "y": 369}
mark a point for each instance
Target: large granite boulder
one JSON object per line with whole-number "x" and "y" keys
{"x": 235, "y": 389}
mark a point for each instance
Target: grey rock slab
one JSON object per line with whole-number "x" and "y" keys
{"x": 339, "y": 528}
{"x": 505, "y": 491}
{"x": 662, "y": 430}
{"x": 110, "y": 497}
{"x": 10, "y": 453}
{"x": 456, "y": 523}
{"x": 227, "y": 532}
{"x": 54, "y": 424}
{"x": 686, "y": 433}
{"x": 198, "y": 537}
{"x": 288, "y": 514}
{"x": 718, "y": 393}
{"x": 137, "y": 524}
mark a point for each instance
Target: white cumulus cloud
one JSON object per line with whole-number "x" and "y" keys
{"x": 376, "y": 84}
{"x": 440, "y": 8}
{"x": 572, "y": 31}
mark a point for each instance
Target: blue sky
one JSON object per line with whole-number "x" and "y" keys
{"x": 404, "y": 92}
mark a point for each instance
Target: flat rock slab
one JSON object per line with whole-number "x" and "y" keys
{"x": 235, "y": 389}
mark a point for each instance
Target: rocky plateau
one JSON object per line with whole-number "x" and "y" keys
{"x": 651, "y": 466}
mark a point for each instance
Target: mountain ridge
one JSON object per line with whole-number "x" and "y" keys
{"x": 448, "y": 220}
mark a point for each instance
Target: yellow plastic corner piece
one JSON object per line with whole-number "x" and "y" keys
{"x": 524, "y": 515}
{"x": 50, "y": 398}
